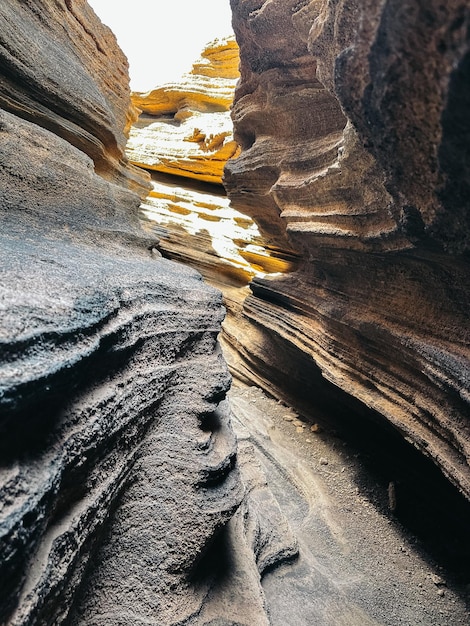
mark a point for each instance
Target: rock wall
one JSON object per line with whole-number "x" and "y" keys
{"x": 118, "y": 469}
{"x": 123, "y": 498}
{"x": 351, "y": 118}
{"x": 183, "y": 138}
{"x": 185, "y": 127}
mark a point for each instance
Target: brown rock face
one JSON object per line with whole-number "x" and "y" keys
{"x": 355, "y": 150}
{"x": 53, "y": 59}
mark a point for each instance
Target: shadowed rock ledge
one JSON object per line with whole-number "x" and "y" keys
{"x": 118, "y": 465}
{"x": 351, "y": 118}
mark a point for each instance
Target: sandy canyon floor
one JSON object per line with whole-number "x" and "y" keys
{"x": 357, "y": 564}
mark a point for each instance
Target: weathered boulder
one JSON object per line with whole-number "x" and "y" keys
{"x": 118, "y": 461}
{"x": 185, "y": 127}
{"x": 351, "y": 119}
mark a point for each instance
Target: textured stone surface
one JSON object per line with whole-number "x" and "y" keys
{"x": 185, "y": 127}
{"x": 356, "y": 566}
{"x": 107, "y": 395}
{"x": 123, "y": 499}
{"x": 118, "y": 474}
{"x": 196, "y": 225}
{"x": 61, "y": 69}
{"x": 351, "y": 118}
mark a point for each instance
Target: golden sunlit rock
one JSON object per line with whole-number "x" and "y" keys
{"x": 185, "y": 127}
{"x": 185, "y": 130}
{"x": 197, "y": 225}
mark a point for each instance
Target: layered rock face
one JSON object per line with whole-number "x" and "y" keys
{"x": 184, "y": 138}
{"x": 118, "y": 463}
{"x": 69, "y": 80}
{"x": 185, "y": 127}
{"x": 354, "y": 134}
{"x": 123, "y": 496}
{"x": 196, "y": 225}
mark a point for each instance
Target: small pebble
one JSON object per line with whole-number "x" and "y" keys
{"x": 323, "y": 461}
{"x": 289, "y": 418}
{"x": 441, "y": 592}
{"x": 308, "y": 440}
{"x": 392, "y": 496}
{"x": 315, "y": 428}
{"x": 299, "y": 429}
{"x": 298, "y": 423}
{"x": 438, "y": 581}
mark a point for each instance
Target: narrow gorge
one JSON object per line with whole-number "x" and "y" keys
{"x": 234, "y": 331}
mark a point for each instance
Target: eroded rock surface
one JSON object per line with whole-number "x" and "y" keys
{"x": 123, "y": 499}
{"x": 351, "y": 118}
{"x": 118, "y": 472}
{"x": 53, "y": 57}
{"x": 185, "y": 127}
{"x": 196, "y": 225}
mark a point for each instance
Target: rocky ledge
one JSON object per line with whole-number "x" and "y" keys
{"x": 354, "y": 134}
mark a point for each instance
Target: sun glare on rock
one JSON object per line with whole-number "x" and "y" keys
{"x": 184, "y": 137}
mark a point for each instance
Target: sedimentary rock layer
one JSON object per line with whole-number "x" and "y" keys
{"x": 354, "y": 136}
{"x": 185, "y": 131}
{"x": 62, "y": 70}
{"x": 196, "y": 225}
{"x": 99, "y": 380}
{"x": 185, "y": 127}
{"x": 118, "y": 469}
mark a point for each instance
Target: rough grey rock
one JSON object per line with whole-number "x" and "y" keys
{"x": 99, "y": 395}
{"x": 118, "y": 472}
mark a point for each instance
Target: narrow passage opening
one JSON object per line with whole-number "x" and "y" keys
{"x": 183, "y": 137}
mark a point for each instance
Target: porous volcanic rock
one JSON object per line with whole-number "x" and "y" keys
{"x": 352, "y": 119}
{"x": 185, "y": 127}
{"x": 118, "y": 463}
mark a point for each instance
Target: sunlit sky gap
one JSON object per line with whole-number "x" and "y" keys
{"x": 162, "y": 39}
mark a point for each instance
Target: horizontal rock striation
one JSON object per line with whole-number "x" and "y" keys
{"x": 99, "y": 390}
{"x": 177, "y": 138}
{"x": 207, "y": 87}
{"x": 354, "y": 148}
{"x": 185, "y": 127}
{"x": 119, "y": 470}
{"x": 196, "y": 225}
{"x": 52, "y": 64}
